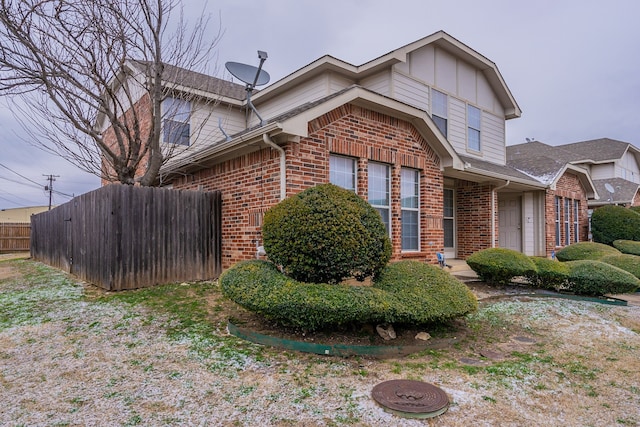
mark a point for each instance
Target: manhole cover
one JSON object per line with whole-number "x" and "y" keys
{"x": 411, "y": 399}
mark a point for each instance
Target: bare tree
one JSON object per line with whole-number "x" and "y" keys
{"x": 92, "y": 78}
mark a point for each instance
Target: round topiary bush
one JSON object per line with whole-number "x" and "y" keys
{"x": 610, "y": 223}
{"x": 326, "y": 234}
{"x": 585, "y": 250}
{"x": 498, "y": 266}
{"x": 407, "y": 292}
{"x": 595, "y": 278}
{"x": 549, "y": 274}
{"x": 630, "y": 263}
{"x": 627, "y": 247}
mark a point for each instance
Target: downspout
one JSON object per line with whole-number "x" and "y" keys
{"x": 283, "y": 164}
{"x": 493, "y": 212}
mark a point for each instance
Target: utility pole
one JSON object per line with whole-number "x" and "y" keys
{"x": 49, "y": 187}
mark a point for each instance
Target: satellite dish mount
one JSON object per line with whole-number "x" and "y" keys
{"x": 252, "y": 77}
{"x": 611, "y": 190}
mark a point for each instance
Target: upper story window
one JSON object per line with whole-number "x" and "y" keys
{"x": 380, "y": 191}
{"x": 176, "y": 115}
{"x": 439, "y": 108}
{"x": 410, "y": 205}
{"x": 473, "y": 128}
{"x": 342, "y": 172}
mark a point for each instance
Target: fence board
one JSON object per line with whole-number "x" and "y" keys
{"x": 123, "y": 237}
{"x": 14, "y": 236}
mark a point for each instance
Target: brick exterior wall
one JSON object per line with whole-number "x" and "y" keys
{"x": 143, "y": 111}
{"x": 473, "y": 217}
{"x": 567, "y": 187}
{"x": 250, "y": 183}
{"x": 636, "y": 199}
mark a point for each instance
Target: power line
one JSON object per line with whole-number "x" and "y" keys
{"x": 21, "y": 176}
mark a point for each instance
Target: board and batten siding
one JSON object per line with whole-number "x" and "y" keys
{"x": 603, "y": 171}
{"x": 458, "y": 125}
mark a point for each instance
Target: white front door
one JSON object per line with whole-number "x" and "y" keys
{"x": 510, "y": 222}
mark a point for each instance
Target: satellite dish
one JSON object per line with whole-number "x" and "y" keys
{"x": 248, "y": 74}
{"x": 609, "y": 188}
{"x": 251, "y": 76}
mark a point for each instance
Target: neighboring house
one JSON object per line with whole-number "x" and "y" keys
{"x": 418, "y": 132}
{"x": 20, "y": 214}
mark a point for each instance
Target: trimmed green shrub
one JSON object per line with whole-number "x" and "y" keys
{"x": 585, "y": 250}
{"x": 326, "y": 234}
{"x": 627, "y": 246}
{"x": 498, "y": 266}
{"x": 549, "y": 274}
{"x": 426, "y": 293}
{"x": 630, "y": 263}
{"x": 405, "y": 293}
{"x": 595, "y": 278}
{"x": 610, "y": 223}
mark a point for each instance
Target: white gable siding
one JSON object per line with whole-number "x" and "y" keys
{"x": 421, "y": 65}
{"x": 233, "y": 121}
{"x": 492, "y": 137}
{"x": 467, "y": 82}
{"x": 602, "y": 171}
{"x": 410, "y": 91}
{"x": 337, "y": 83}
{"x": 309, "y": 91}
{"x": 379, "y": 83}
{"x": 628, "y": 168}
{"x": 458, "y": 125}
{"x": 445, "y": 72}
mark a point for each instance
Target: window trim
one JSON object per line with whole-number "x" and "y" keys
{"x": 387, "y": 207}
{"x": 445, "y": 116}
{"x": 567, "y": 222}
{"x": 471, "y": 127}
{"x": 176, "y": 116}
{"x": 354, "y": 174}
{"x": 576, "y": 220}
{"x": 416, "y": 186}
{"x": 558, "y": 212}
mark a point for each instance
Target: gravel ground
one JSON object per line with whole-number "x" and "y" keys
{"x": 72, "y": 356}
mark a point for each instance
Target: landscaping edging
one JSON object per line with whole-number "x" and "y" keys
{"x": 343, "y": 350}
{"x": 549, "y": 294}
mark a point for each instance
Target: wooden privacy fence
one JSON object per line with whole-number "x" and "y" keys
{"x": 125, "y": 237}
{"x": 14, "y": 236}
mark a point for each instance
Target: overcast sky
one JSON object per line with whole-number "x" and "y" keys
{"x": 573, "y": 66}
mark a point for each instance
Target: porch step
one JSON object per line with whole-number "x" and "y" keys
{"x": 460, "y": 268}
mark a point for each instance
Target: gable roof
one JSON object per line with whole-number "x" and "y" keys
{"x": 625, "y": 191}
{"x": 546, "y": 164}
{"x": 598, "y": 150}
{"x": 359, "y": 72}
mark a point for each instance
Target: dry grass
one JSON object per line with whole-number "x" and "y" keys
{"x": 71, "y": 355}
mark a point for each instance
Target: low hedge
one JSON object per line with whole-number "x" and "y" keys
{"x": 407, "y": 292}
{"x": 627, "y": 246}
{"x": 630, "y": 263}
{"x": 595, "y": 278}
{"x": 549, "y": 274}
{"x": 585, "y": 250}
{"x": 498, "y": 266}
{"x": 610, "y": 223}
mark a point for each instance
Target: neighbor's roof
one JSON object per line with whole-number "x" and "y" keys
{"x": 597, "y": 150}
{"x": 625, "y": 191}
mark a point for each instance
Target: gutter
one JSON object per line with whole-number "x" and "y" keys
{"x": 493, "y": 212}
{"x": 283, "y": 164}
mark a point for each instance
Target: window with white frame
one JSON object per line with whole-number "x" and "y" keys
{"x": 380, "y": 191}
{"x": 439, "y": 108}
{"x": 449, "y": 218}
{"x": 473, "y": 128}
{"x": 567, "y": 222}
{"x": 410, "y": 206}
{"x": 576, "y": 219}
{"x": 176, "y": 115}
{"x": 342, "y": 172}
{"x": 558, "y": 209}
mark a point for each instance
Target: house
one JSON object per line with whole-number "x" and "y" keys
{"x": 418, "y": 132}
